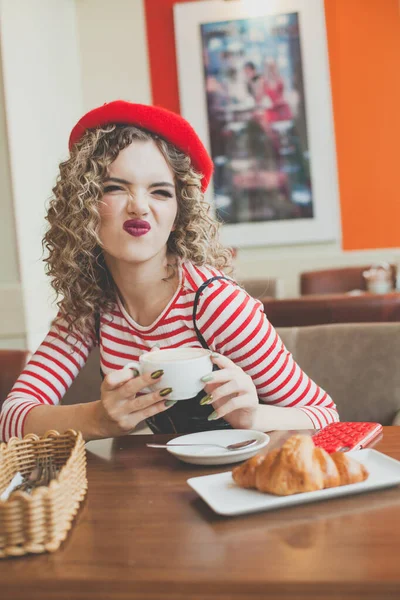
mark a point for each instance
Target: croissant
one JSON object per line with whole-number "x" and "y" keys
{"x": 350, "y": 471}
{"x": 245, "y": 475}
{"x": 298, "y": 467}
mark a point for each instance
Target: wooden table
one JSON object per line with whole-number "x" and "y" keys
{"x": 143, "y": 534}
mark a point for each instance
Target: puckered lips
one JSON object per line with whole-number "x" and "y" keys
{"x": 136, "y": 227}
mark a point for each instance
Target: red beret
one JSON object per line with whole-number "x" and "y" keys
{"x": 166, "y": 124}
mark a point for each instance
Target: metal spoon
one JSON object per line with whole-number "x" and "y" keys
{"x": 236, "y": 446}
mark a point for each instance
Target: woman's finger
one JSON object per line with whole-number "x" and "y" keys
{"x": 116, "y": 379}
{"x": 154, "y": 409}
{"x": 137, "y": 384}
{"x": 216, "y": 404}
{"x": 222, "y": 361}
{"x": 143, "y": 401}
{"x": 231, "y": 388}
{"x": 131, "y": 420}
{"x": 218, "y": 377}
{"x": 225, "y": 408}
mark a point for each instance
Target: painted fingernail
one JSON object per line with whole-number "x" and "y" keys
{"x": 206, "y": 400}
{"x": 213, "y": 416}
{"x": 214, "y": 354}
{"x": 135, "y": 372}
{"x": 157, "y": 374}
{"x": 169, "y": 403}
{"x": 165, "y": 392}
{"x": 207, "y": 378}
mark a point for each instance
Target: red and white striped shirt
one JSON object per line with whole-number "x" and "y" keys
{"x": 231, "y": 322}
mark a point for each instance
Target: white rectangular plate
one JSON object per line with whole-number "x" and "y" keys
{"x": 221, "y": 493}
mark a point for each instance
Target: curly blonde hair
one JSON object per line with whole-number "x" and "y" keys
{"x": 75, "y": 261}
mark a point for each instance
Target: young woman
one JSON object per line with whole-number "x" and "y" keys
{"x": 132, "y": 248}
{"x": 272, "y": 86}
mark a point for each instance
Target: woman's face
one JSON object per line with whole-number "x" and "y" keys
{"x": 139, "y": 205}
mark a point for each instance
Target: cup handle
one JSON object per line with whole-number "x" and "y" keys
{"x": 135, "y": 365}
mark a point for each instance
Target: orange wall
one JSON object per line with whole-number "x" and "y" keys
{"x": 364, "y": 53}
{"x": 364, "y": 47}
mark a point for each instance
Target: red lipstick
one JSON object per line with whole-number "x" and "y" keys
{"x": 136, "y": 227}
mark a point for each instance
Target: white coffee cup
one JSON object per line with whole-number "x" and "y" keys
{"x": 183, "y": 369}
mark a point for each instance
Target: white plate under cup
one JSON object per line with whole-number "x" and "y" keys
{"x": 198, "y": 455}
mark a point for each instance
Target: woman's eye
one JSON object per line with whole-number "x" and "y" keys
{"x": 163, "y": 193}
{"x": 112, "y": 188}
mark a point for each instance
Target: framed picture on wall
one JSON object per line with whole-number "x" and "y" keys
{"x": 254, "y": 82}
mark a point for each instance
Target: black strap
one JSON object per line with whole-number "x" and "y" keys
{"x": 196, "y": 303}
{"x": 97, "y": 326}
{"x": 97, "y": 334}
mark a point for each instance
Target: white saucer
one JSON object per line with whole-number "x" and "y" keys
{"x": 199, "y": 455}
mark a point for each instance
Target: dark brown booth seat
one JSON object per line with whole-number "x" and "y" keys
{"x": 334, "y": 308}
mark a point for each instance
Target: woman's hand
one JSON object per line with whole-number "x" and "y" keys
{"x": 232, "y": 393}
{"x": 120, "y": 410}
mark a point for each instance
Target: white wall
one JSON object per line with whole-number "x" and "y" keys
{"x": 8, "y": 251}
{"x": 113, "y": 49}
{"x": 12, "y": 322}
{"x": 42, "y": 86}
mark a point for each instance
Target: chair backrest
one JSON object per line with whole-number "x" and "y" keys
{"x": 86, "y": 386}
{"x": 335, "y": 281}
{"x": 12, "y": 363}
{"x": 260, "y": 288}
{"x": 356, "y": 363}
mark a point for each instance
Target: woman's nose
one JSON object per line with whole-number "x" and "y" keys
{"x": 138, "y": 203}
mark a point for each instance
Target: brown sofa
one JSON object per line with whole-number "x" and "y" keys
{"x": 336, "y": 281}
{"x": 357, "y": 364}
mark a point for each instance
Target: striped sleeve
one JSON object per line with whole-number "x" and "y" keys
{"x": 45, "y": 379}
{"x": 235, "y": 325}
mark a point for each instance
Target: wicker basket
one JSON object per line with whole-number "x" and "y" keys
{"x": 39, "y": 521}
